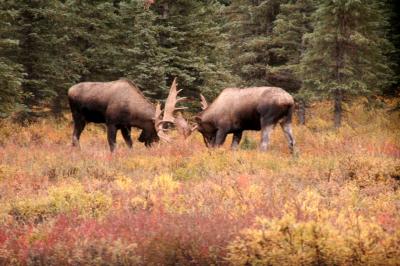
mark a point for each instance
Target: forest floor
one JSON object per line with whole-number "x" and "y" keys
{"x": 337, "y": 203}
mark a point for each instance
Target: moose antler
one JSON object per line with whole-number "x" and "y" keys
{"x": 168, "y": 117}
{"x": 183, "y": 126}
{"x": 170, "y": 104}
{"x": 159, "y": 124}
{"x": 204, "y": 103}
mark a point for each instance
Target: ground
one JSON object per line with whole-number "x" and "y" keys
{"x": 337, "y": 202}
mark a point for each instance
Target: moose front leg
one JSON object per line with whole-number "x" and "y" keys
{"x": 237, "y": 136}
{"x": 220, "y": 137}
{"x": 148, "y": 136}
{"x": 206, "y": 142}
{"x": 112, "y": 136}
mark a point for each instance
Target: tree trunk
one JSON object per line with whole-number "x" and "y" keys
{"x": 338, "y": 110}
{"x": 301, "y": 113}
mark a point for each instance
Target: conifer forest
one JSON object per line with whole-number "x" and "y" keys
{"x": 80, "y": 78}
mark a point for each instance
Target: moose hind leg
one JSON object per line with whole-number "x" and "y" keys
{"x": 265, "y": 136}
{"x": 287, "y": 130}
{"x": 271, "y": 116}
{"x": 237, "y": 136}
{"x": 126, "y": 134}
{"x": 79, "y": 125}
{"x": 268, "y": 122}
{"x": 112, "y": 136}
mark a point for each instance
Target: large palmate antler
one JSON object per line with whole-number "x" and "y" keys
{"x": 170, "y": 104}
{"x": 183, "y": 126}
{"x": 159, "y": 124}
{"x": 170, "y": 107}
{"x": 204, "y": 103}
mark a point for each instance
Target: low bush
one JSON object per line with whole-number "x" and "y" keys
{"x": 337, "y": 203}
{"x": 65, "y": 199}
{"x": 316, "y": 237}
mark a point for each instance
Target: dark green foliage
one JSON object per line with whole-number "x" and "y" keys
{"x": 61, "y": 43}
{"x": 346, "y": 52}
{"x": 11, "y": 73}
{"x": 195, "y": 48}
{"x": 300, "y": 45}
{"x": 251, "y": 27}
{"x": 292, "y": 23}
{"x": 117, "y": 40}
{"x": 141, "y": 57}
{"x": 94, "y": 32}
{"x": 45, "y": 52}
{"x": 393, "y": 12}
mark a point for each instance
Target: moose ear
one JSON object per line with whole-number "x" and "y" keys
{"x": 197, "y": 119}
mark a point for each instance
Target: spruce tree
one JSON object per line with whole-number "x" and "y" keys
{"x": 94, "y": 31}
{"x": 194, "y": 45}
{"x": 291, "y": 24}
{"x": 11, "y": 72}
{"x": 251, "y": 26}
{"x": 393, "y": 13}
{"x": 346, "y": 52}
{"x": 46, "y": 54}
{"x": 141, "y": 56}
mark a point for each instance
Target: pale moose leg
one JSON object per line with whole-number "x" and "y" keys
{"x": 265, "y": 135}
{"x": 287, "y": 130}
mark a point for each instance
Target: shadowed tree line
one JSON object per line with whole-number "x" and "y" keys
{"x": 315, "y": 49}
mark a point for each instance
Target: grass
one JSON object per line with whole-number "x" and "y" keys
{"x": 180, "y": 203}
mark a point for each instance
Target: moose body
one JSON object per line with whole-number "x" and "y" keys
{"x": 236, "y": 110}
{"x": 120, "y": 105}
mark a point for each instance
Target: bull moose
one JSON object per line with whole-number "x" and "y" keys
{"x": 236, "y": 110}
{"x": 121, "y": 105}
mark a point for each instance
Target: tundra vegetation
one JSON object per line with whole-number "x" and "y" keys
{"x": 180, "y": 203}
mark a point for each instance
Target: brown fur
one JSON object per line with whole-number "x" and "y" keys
{"x": 236, "y": 110}
{"x": 119, "y": 104}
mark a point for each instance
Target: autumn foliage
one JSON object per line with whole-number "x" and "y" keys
{"x": 337, "y": 203}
